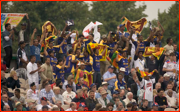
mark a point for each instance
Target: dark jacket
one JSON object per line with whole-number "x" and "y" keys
{"x": 26, "y": 33}
{"x": 11, "y": 83}
{"x": 91, "y": 103}
{"x": 9, "y": 103}
{"x": 78, "y": 86}
{"x": 3, "y": 82}
{"x": 134, "y": 90}
{"x": 78, "y": 101}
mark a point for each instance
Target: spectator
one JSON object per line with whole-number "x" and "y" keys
{"x": 48, "y": 71}
{"x": 6, "y": 108}
{"x": 158, "y": 86}
{"x": 21, "y": 54}
{"x": 5, "y": 101}
{"x": 80, "y": 83}
{"x": 44, "y": 83}
{"x": 45, "y": 108}
{"x": 97, "y": 107}
{"x": 171, "y": 100}
{"x": 122, "y": 94}
{"x": 68, "y": 95}
{"x": 140, "y": 62}
{"x": 155, "y": 107}
{"x": 88, "y": 61}
{"x": 119, "y": 106}
{"x": 120, "y": 84}
{"x": 129, "y": 98}
{"x": 7, "y": 38}
{"x": 55, "y": 108}
{"x": 109, "y": 106}
{"x": 116, "y": 100}
{"x": 3, "y": 79}
{"x": 169, "y": 87}
{"x": 100, "y": 90}
{"x": 135, "y": 106}
{"x": 176, "y": 52}
{"x": 166, "y": 80}
{"x": 57, "y": 94}
{"x": 161, "y": 100}
{"x": 110, "y": 77}
{"x": 33, "y": 92}
{"x": 144, "y": 105}
{"x": 18, "y": 98}
{"x": 32, "y": 72}
{"x": 129, "y": 107}
{"x": 59, "y": 104}
{"x": 30, "y": 103}
{"x": 19, "y": 107}
{"x": 82, "y": 106}
{"x": 70, "y": 81}
{"x": 5, "y": 90}
{"x": 105, "y": 86}
{"x": 169, "y": 46}
{"x": 103, "y": 99}
{"x": 161, "y": 81}
{"x": 91, "y": 101}
{"x": 32, "y": 108}
{"x": 42, "y": 104}
{"x": 85, "y": 92}
{"x": 13, "y": 81}
{"x": 73, "y": 107}
{"x": 93, "y": 88}
{"x": 48, "y": 93}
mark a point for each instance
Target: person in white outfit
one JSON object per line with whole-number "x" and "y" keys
{"x": 32, "y": 72}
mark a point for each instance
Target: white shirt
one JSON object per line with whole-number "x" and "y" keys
{"x": 139, "y": 63}
{"x": 39, "y": 107}
{"x": 68, "y": 96}
{"x": 171, "y": 101}
{"x": 170, "y": 65}
{"x": 126, "y": 101}
{"x": 148, "y": 87}
{"x": 32, "y": 95}
{"x": 5, "y": 103}
{"x": 23, "y": 54}
{"x": 134, "y": 37}
{"x": 21, "y": 35}
{"x": 32, "y": 77}
{"x": 73, "y": 36}
{"x": 70, "y": 109}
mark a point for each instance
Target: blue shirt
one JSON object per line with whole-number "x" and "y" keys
{"x": 71, "y": 68}
{"x": 60, "y": 73}
{"x": 89, "y": 60}
{"x": 35, "y": 50}
{"x": 111, "y": 48}
{"x": 53, "y": 62}
{"x": 109, "y": 75}
{"x": 88, "y": 41}
{"x": 96, "y": 62}
{"x": 63, "y": 48}
{"x": 126, "y": 34}
{"x": 48, "y": 95}
{"x": 142, "y": 45}
{"x": 124, "y": 63}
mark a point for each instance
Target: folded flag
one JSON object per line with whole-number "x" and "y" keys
{"x": 143, "y": 73}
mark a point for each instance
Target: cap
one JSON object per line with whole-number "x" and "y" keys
{"x": 111, "y": 67}
{"x": 122, "y": 69}
{"x": 45, "y": 107}
{"x": 93, "y": 84}
{"x": 17, "y": 104}
{"x": 23, "y": 24}
{"x": 121, "y": 25}
{"x": 82, "y": 105}
{"x": 104, "y": 92}
{"x": 155, "y": 104}
{"x": 105, "y": 83}
{"x": 166, "y": 75}
{"x": 44, "y": 98}
{"x": 104, "y": 36}
{"x": 115, "y": 92}
{"x": 68, "y": 86}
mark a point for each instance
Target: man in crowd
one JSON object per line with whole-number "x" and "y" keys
{"x": 68, "y": 95}
{"x": 18, "y": 98}
{"x": 80, "y": 83}
{"x": 73, "y": 107}
{"x": 91, "y": 101}
{"x": 44, "y": 102}
{"x": 5, "y": 102}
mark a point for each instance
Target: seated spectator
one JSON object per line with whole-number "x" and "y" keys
{"x": 13, "y": 81}
{"x": 116, "y": 94}
{"x": 158, "y": 86}
{"x": 97, "y": 107}
{"x": 79, "y": 98}
{"x": 119, "y": 106}
{"x": 144, "y": 106}
{"x": 109, "y": 106}
{"x": 6, "y": 91}
{"x": 30, "y": 102}
{"x": 82, "y": 107}
{"x": 58, "y": 84}
{"x": 19, "y": 107}
{"x": 85, "y": 92}
{"x": 70, "y": 81}
{"x": 169, "y": 87}
{"x": 98, "y": 95}
{"x": 68, "y": 95}
{"x": 6, "y": 108}
{"x": 59, "y": 104}
{"x": 5, "y": 101}
{"x": 3, "y": 79}
{"x": 45, "y": 108}
{"x": 129, "y": 98}
{"x": 166, "y": 80}
{"x": 80, "y": 83}
{"x": 122, "y": 94}
{"x": 161, "y": 100}
{"x": 48, "y": 93}
{"x": 120, "y": 84}
{"x": 93, "y": 87}
{"x": 161, "y": 81}
{"x": 105, "y": 86}
{"x": 155, "y": 107}
{"x": 135, "y": 106}
{"x": 73, "y": 107}
{"x": 116, "y": 100}
{"x": 32, "y": 93}
{"x": 57, "y": 94}
{"x": 171, "y": 100}
{"x": 91, "y": 101}
{"x": 54, "y": 108}
{"x": 44, "y": 83}
{"x": 129, "y": 107}
{"x": 32, "y": 108}
{"x": 43, "y": 103}
{"x": 18, "y": 98}
{"x": 103, "y": 99}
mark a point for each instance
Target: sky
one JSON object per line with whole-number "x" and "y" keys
{"x": 152, "y": 7}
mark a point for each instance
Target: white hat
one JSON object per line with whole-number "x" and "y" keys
{"x": 166, "y": 75}
{"x": 122, "y": 69}
{"x": 105, "y": 83}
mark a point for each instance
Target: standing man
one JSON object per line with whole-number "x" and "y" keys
{"x": 23, "y": 34}
{"x": 32, "y": 72}
{"x": 7, "y": 37}
{"x": 169, "y": 46}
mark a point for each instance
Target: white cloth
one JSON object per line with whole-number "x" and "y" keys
{"x": 152, "y": 44}
{"x": 139, "y": 63}
{"x": 97, "y": 35}
{"x": 39, "y": 107}
{"x": 6, "y": 38}
{"x": 68, "y": 96}
{"x": 133, "y": 49}
{"x": 70, "y": 109}
{"x": 73, "y": 36}
{"x": 21, "y": 35}
{"x": 32, "y": 95}
{"x": 171, "y": 101}
{"x": 33, "y": 77}
{"x": 170, "y": 65}
{"x": 148, "y": 88}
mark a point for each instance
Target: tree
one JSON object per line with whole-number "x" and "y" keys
{"x": 110, "y": 13}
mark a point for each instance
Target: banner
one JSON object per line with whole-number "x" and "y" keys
{"x": 139, "y": 24}
{"x": 13, "y": 18}
{"x": 156, "y": 51}
{"x": 100, "y": 47}
{"x": 87, "y": 29}
{"x": 49, "y": 27}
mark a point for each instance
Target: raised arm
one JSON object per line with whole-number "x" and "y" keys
{"x": 127, "y": 44}
{"x": 32, "y": 37}
{"x": 150, "y": 36}
{"x": 28, "y": 24}
{"x": 92, "y": 52}
{"x": 109, "y": 36}
{"x": 162, "y": 29}
{"x": 130, "y": 37}
{"x": 104, "y": 50}
{"x": 137, "y": 49}
{"x": 64, "y": 30}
